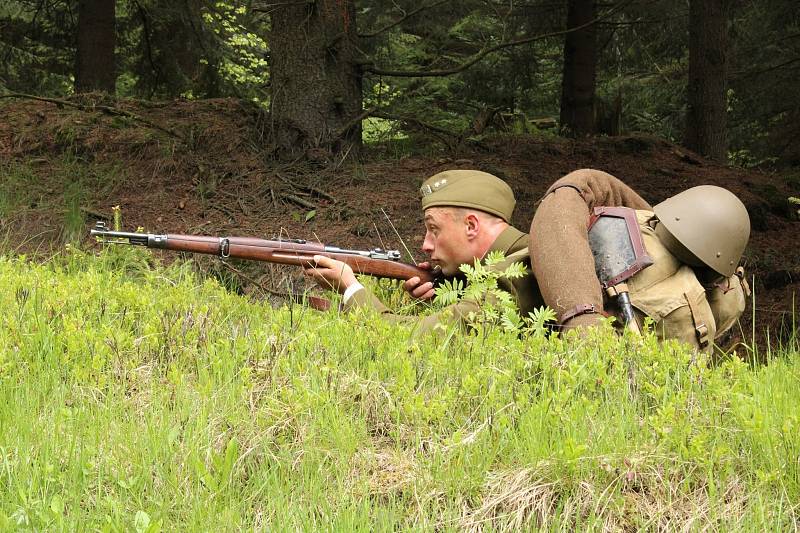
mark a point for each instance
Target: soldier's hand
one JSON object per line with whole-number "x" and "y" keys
{"x": 330, "y": 273}
{"x": 417, "y": 289}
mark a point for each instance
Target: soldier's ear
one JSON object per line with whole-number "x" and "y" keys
{"x": 472, "y": 225}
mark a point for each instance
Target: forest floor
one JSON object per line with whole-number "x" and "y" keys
{"x": 201, "y": 167}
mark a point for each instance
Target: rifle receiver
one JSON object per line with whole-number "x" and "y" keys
{"x": 106, "y": 236}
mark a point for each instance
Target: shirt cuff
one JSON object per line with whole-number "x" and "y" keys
{"x": 351, "y": 290}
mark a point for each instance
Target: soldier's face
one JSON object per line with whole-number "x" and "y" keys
{"x": 447, "y": 239}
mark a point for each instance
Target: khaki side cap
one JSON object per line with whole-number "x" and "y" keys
{"x": 469, "y": 188}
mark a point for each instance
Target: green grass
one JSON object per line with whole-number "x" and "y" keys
{"x": 15, "y": 189}
{"x": 137, "y": 398}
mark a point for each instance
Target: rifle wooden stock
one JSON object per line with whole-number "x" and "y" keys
{"x": 376, "y": 263}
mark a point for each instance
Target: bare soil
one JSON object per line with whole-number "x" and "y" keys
{"x": 201, "y": 167}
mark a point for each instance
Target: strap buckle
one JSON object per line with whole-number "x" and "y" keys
{"x": 578, "y": 310}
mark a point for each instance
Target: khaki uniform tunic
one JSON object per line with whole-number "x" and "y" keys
{"x": 514, "y": 244}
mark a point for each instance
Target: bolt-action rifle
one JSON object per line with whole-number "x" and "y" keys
{"x": 376, "y": 262}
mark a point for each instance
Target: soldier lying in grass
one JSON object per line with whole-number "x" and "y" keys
{"x": 694, "y": 291}
{"x": 467, "y": 214}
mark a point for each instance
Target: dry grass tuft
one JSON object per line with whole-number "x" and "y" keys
{"x": 666, "y": 504}
{"x": 641, "y": 498}
{"x": 512, "y": 500}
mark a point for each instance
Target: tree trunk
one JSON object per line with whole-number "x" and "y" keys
{"x": 580, "y": 70}
{"x": 315, "y": 79}
{"x": 94, "y": 58}
{"x": 705, "y": 131}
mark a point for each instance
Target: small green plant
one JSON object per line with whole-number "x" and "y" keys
{"x": 538, "y": 320}
{"x": 132, "y": 261}
{"x": 117, "y": 216}
{"x": 496, "y": 306}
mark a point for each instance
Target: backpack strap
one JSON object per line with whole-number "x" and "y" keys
{"x": 743, "y": 280}
{"x": 700, "y": 328}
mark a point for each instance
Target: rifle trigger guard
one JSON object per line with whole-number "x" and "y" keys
{"x": 224, "y": 248}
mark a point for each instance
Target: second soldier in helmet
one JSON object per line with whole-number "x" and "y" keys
{"x": 694, "y": 291}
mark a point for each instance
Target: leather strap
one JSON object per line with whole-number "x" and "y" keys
{"x": 743, "y": 280}
{"x": 724, "y": 285}
{"x": 567, "y": 186}
{"x": 578, "y": 310}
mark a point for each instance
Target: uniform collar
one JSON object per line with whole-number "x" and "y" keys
{"x": 509, "y": 241}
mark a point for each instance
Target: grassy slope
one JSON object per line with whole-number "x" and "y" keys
{"x": 138, "y": 398}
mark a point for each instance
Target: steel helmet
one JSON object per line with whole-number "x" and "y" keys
{"x": 704, "y": 226}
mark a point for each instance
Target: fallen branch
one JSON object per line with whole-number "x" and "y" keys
{"x": 297, "y": 200}
{"x": 243, "y": 208}
{"x": 224, "y": 211}
{"x": 254, "y": 282}
{"x": 318, "y": 303}
{"x": 307, "y": 188}
{"x": 449, "y": 138}
{"x": 355, "y": 120}
{"x": 442, "y": 134}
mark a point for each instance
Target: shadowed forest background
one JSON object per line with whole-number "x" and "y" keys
{"x": 321, "y": 117}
